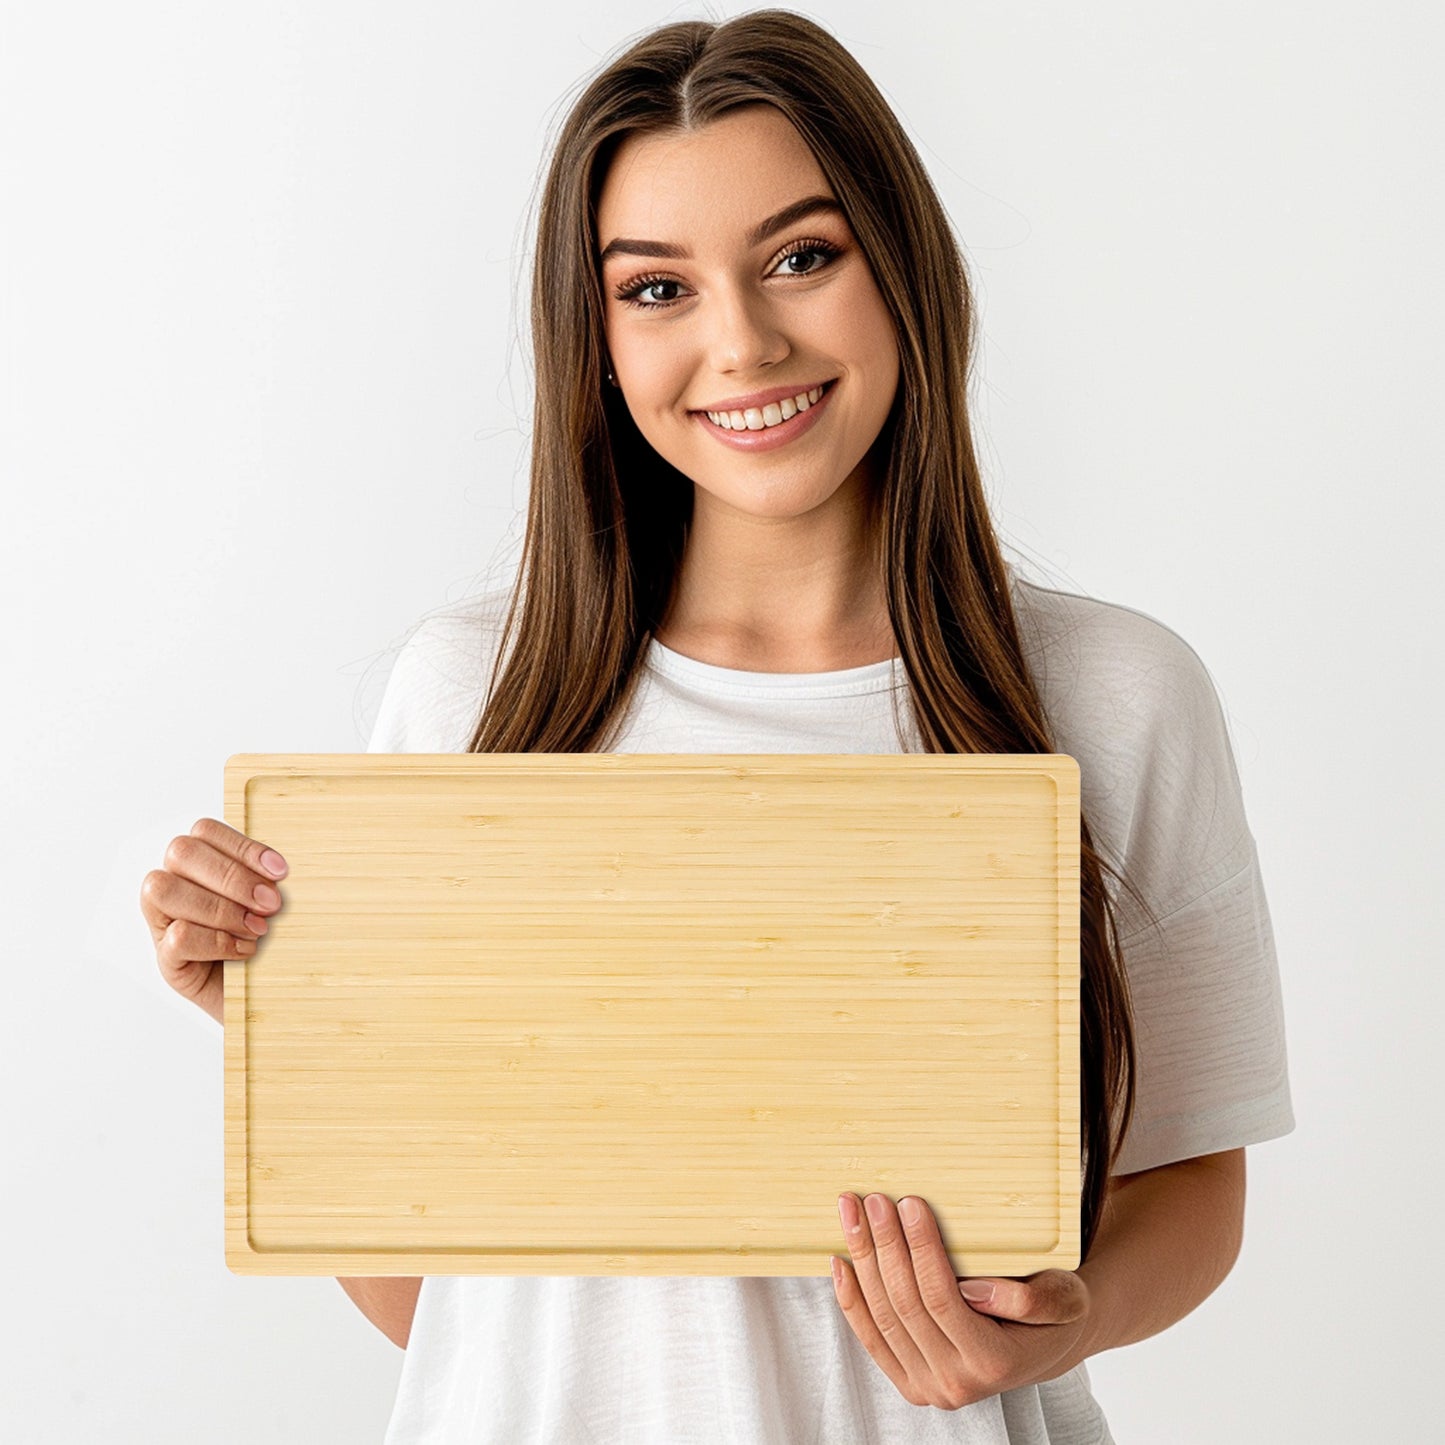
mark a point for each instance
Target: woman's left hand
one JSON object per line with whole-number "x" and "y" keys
{"x": 938, "y": 1348}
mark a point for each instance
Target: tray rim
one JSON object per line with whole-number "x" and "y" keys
{"x": 244, "y": 1257}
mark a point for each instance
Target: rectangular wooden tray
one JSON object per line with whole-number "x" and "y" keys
{"x": 650, "y": 1014}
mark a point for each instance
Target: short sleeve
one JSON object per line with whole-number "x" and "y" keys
{"x": 1209, "y": 1027}
{"x": 1135, "y": 706}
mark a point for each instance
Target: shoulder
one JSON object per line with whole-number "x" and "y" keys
{"x": 459, "y": 627}
{"x": 440, "y": 673}
{"x": 1099, "y": 662}
{"x": 1054, "y": 620}
{"x": 1133, "y": 703}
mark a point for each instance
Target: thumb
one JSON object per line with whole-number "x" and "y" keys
{"x": 1051, "y": 1297}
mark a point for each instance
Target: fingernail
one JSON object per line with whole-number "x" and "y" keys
{"x": 910, "y": 1211}
{"x": 273, "y": 862}
{"x": 848, "y": 1211}
{"x": 976, "y": 1290}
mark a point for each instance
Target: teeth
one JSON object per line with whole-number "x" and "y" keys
{"x": 759, "y": 418}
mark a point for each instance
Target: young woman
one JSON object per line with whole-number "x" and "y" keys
{"x": 757, "y": 524}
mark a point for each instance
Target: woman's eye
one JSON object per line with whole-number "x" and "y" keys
{"x": 805, "y": 251}
{"x": 634, "y": 294}
{"x": 653, "y": 286}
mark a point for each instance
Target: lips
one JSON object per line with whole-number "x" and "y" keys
{"x": 760, "y": 399}
{"x": 770, "y": 438}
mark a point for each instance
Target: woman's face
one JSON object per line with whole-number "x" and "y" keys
{"x": 738, "y": 314}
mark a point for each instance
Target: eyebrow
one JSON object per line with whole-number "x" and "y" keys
{"x": 788, "y": 216}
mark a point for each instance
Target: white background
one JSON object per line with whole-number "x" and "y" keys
{"x": 266, "y": 401}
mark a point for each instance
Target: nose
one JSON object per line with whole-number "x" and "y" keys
{"x": 744, "y": 335}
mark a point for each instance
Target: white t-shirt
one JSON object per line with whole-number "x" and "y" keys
{"x": 682, "y": 1360}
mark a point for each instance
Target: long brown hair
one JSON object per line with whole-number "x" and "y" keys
{"x": 607, "y": 516}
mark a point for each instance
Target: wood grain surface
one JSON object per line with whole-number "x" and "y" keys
{"x": 650, "y": 1014}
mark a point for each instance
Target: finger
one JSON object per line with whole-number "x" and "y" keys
{"x": 166, "y": 897}
{"x": 229, "y": 868}
{"x": 966, "y": 1336}
{"x": 265, "y": 862}
{"x": 186, "y": 942}
{"x": 884, "y": 1265}
{"x": 918, "y": 1276}
{"x": 226, "y": 839}
{"x": 855, "y": 1300}
{"x": 1051, "y": 1297}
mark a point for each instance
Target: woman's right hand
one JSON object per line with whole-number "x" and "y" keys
{"x": 204, "y": 907}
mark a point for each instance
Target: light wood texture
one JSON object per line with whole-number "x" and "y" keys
{"x": 651, "y": 1014}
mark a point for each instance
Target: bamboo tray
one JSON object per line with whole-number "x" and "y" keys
{"x": 650, "y": 1014}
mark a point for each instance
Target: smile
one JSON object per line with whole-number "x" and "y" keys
{"x": 763, "y": 428}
